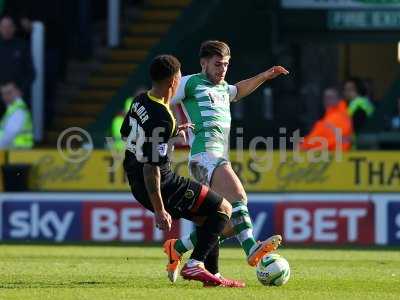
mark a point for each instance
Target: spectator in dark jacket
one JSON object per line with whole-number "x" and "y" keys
{"x": 360, "y": 107}
{"x": 15, "y": 57}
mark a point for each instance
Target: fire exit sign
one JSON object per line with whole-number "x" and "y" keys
{"x": 364, "y": 20}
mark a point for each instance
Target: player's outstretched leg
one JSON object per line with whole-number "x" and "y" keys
{"x": 223, "y": 180}
{"x": 243, "y": 229}
{"x": 226, "y": 183}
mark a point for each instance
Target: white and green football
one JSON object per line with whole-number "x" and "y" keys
{"x": 273, "y": 269}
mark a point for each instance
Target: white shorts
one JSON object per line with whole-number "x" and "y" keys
{"x": 202, "y": 166}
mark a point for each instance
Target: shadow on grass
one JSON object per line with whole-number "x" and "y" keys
{"x": 145, "y": 283}
{"x": 78, "y": 284}
{"x": 229, "y": 245}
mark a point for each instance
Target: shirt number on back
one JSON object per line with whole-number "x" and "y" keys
{"x": 135, "y": 139}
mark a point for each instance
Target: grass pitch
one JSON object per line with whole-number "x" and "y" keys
{"x": 110, "y": 272}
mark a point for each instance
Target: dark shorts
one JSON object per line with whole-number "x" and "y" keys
{"x": 182, "y": 197}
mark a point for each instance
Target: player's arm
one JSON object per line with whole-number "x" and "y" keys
{"x": 151, "y": 174}
{"x": 247, "y": 86}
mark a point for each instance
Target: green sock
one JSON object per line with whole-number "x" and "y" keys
{"x": 243, "y": 226}
{"x": 188, "y": 242}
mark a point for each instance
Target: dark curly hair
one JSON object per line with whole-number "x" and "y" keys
{"x": 163, "y": 67}
{"x": 360, "y": 85}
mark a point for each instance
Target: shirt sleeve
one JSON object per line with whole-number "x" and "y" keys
{"x": 181, "y": 93}
{"x": 232, "y": 90}
{"x": 12, "y": 128}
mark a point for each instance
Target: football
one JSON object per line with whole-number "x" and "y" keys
{"x": 273, "y": 269}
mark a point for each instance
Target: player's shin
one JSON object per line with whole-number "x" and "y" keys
{"x": 188, "y": 242}
{"x": 208, "y": 235}
{"x": 243, "y": 226}
{"x": 211, "y": 261}
{"x": 207, "y": 239}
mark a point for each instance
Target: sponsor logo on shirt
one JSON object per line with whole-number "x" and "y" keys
{"x": 217, "y": 99}
{"x": 163, "y": 149}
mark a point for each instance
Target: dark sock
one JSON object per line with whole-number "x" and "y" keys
{"x": 208, "y": 235}
{"x": 211, "y": 262}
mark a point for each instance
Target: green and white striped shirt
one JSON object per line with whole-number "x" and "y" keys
{"x": 207, "y": 105}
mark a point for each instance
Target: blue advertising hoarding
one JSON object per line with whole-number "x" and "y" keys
{"x": 310, "y": 218}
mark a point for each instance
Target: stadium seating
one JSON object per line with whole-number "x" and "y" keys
{"x": 143, "y": 33}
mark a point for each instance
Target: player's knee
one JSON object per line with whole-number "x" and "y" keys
{"x": 242, "y": 197}
{"x": 225, "y": 208}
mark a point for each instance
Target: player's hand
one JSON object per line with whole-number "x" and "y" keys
{"x": 274, "y": 72}
{"x": 185, "y": 126}
{"x": 163, "y": 220}
{"x": 182, "y": 135}
{"x": 181, "y": 130}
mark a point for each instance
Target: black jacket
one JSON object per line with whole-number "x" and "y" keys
{"x": 16, "y": 63}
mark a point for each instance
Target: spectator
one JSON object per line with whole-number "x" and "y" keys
{"x": 336, "y": 118}
{"x": 360, "y": 107}
{"x": 395, "y": 122}
{"x": 16, "y": 129}
{"x": 15, "y": 57}
{"x": 117, "y": 121}
{"x": 55, "y": 15}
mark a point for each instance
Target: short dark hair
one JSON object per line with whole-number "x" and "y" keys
{"x": 9, "y": 81}
{"x": 210, "y": 48}
{"x": 332, "y": 88}
{"x": 360, "y": 85}
{"x": 2, "y": 17}
{"x": 163, "y": 67}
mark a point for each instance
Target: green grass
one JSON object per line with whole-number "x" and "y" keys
{"x": 109, "y": 272}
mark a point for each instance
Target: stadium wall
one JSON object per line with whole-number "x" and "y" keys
{"x": 302, "y": 218}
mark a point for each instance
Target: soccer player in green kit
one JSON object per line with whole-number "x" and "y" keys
{"x": 206, "y": 99}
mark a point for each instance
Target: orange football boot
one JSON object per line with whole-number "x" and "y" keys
{"x": 265, "y": 247}
{"x": 174, "y": 259}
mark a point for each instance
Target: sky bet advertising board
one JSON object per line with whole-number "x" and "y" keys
{"x": 361, "y": 219}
